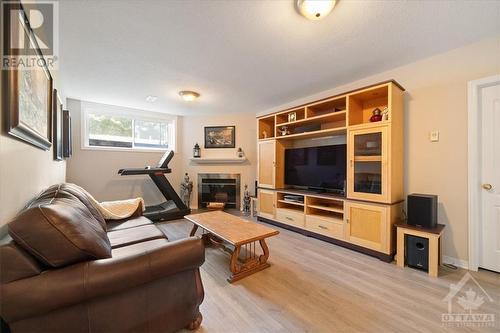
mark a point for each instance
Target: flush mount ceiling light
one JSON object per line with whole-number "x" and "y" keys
{"x": 315, "y": 9}
{"x": 151, "y": 98}
{"x": 188, "y": 95}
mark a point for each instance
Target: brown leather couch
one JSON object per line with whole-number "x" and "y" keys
{"x": 66, "y": 269}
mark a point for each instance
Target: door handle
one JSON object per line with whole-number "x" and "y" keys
{"x": 487, "y": 187}
{"x": 322, "y": 226}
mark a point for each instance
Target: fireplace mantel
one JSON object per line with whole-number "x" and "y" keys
{"x": 219, "y": 160}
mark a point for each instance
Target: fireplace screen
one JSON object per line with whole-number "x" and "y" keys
{"x": 219, "y": 188}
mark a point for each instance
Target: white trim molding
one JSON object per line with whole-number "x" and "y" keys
{"x": 456, "y": 262}
{"x": 473, "y": 154}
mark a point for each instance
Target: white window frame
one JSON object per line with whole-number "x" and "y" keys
{"x": 109, "y": 110}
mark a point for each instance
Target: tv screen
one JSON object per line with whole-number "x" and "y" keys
{"x": 316, "y": 167}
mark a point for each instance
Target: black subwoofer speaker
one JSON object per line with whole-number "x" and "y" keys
{"x": 422, "y": 210}
{"x": 417, "y": 252}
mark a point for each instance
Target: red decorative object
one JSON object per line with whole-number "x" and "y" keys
{"x": 377, "y": 115}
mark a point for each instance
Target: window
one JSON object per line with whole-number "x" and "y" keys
{"x": 127, "y": 131}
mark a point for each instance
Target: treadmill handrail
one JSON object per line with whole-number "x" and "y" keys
{"x": 141, "y": 171}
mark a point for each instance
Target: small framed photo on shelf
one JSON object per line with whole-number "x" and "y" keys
{"x": 220, "y": 137}
{"x": 292, "y": 116}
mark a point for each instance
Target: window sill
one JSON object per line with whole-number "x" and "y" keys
{"x": 131, "y": 150}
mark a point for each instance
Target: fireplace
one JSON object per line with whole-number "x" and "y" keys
{"x": 219, "y": 187}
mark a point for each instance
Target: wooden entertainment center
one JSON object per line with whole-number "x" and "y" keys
{"x": 362, "y": 219}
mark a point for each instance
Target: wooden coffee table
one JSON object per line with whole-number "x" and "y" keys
{"x": 224, "y": 228}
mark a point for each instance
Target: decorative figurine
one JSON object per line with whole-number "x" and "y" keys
{"x": 246, "y": 201}
{"x": 376, "y": 115}
{"x": 292, "y": 116}
{"x": 284, "y": 130}
{"x": 240, "y": 153}
{"x": 385, "y": 113}
{"x": 196, "y": 151}
{"x": 186, "y": 190}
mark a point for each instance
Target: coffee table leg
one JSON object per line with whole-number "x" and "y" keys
{"x": 263, "y": 258}
{"x": 193, "y": 231}
{"x": 234, "y": 265}
{"x": 251, "y": 265}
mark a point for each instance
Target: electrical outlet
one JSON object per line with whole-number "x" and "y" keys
{"x": 434, "y": 136}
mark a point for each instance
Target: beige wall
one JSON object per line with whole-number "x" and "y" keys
{"x": 24, "y": 171}
{"x": 96, "y": 170}
{"x": 436, "y": 99}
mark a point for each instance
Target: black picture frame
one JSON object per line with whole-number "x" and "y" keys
{"x": 57, "y": 109}
{"x": 220, "y": 136}
{"x": 67, "y": 142}
{"x": 12, "y": 78}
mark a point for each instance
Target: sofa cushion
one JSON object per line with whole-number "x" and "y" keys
{"x": 124, "y": 237}
{"x": 131, "y": 223}
{"x": 59, "y": 232}
{"x": 139, "y": 248}
{"x": 71, "y": 191}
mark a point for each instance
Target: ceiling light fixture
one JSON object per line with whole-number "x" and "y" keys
{"x": 315, "y": 9}
{"x": 151, "y": 98}
{"x": 188, "y": 95}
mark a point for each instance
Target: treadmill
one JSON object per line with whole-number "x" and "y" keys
{"x": 173, "y": 208}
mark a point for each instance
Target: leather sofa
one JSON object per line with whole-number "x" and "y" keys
{"x": 66, "y": 269}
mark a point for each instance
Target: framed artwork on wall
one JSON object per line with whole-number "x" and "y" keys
{"x": 57, "y": 109}
{"x": 66, "y": 132}
{"x": 28, "y": 91}
{"x": 220, "y": 137}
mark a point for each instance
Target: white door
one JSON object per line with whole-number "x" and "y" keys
{"x": 489, "y": 136}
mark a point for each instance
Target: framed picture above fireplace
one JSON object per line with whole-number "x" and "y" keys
{"x": 220, "y": 137}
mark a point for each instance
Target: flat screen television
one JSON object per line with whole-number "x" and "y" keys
{"x": 319, "y": 168}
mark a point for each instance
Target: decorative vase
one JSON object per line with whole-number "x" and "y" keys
{"x": 376, "y": 115}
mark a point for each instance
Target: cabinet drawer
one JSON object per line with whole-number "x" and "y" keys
{"x": 290, "y": 217}
{"x": 325, "y": 226}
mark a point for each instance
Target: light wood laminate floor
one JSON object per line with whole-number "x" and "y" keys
{"x": 314, "y": 286}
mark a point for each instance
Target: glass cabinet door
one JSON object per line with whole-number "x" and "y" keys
{"x": 368, "y": 164}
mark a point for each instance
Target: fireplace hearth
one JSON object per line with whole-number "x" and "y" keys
{"x": 219, "y": 187}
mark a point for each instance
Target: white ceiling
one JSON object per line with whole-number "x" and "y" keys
{"x": 248, "y": 55}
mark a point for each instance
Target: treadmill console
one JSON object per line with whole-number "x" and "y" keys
{"x": 165, "y": 159}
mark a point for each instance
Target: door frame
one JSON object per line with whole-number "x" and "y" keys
{"x": 474, "y": 191}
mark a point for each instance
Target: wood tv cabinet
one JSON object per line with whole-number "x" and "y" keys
{"x": 364, "y": 219}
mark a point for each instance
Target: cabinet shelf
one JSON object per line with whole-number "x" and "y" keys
{"x": 328, "y": 209}
{"x": 335, "y": 116}
{"x": 282, "y": 118}
{"x": 314, "y": 134}
{"x": 291, "y": 202}
{"x": 362, "y": 104}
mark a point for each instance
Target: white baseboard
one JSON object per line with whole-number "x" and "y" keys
{"x": 456, "y": 262}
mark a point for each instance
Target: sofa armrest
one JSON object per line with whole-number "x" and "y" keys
{"x": 81, "y": 282}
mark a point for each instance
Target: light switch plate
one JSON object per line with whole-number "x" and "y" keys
{"x": 434, "y": 136}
